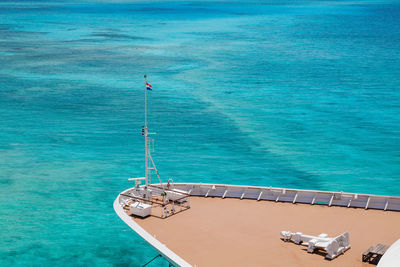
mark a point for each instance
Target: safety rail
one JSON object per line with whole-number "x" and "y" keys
{"x": 313, "y": 197}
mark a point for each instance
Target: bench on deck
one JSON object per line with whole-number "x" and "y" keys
{"x": 374, "y": 254}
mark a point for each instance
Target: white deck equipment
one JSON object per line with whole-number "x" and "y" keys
{"x": 334, "y": 246}
{"x": 142, "y": 192}
{"x": 140, "y": 209}
{"x": 178, "y": 195}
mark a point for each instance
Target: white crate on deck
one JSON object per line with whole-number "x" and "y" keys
{"x": 140, "y": 209}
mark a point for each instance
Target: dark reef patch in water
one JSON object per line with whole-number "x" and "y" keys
{"x": 6, "y": 181}
{"x": 118, "y": 36}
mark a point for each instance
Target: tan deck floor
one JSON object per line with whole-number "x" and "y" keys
{"x": 233, "y": 232}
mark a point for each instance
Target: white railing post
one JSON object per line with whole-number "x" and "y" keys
{"x": 245, "y": 191}
{"x": 295, "y": 197}
{"x": 313, "y": 200}
{"x": 386, "y": 205}
{"x": 366, "y": 206}
{"x": 330, "y": 201}
{"x": 259, "y": 196}
{"x": 226, "y": 191}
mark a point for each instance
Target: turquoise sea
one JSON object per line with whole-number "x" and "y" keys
{"x": 299, "y": 94}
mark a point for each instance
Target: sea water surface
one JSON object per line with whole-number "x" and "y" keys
{"x": 298, "y": 94}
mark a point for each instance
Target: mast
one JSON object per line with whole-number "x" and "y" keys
{"x": 146, "y": 152}
{"x": 147, "y": 156}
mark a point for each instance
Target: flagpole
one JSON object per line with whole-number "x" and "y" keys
{"x": 145, "y": 133}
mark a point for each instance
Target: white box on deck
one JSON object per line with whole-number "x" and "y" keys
{"x": 140, "y": 209}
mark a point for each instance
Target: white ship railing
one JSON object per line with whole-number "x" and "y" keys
{"x": 313, "y": 197}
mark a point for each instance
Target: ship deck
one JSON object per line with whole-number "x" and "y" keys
{"x": 234, "y": 232}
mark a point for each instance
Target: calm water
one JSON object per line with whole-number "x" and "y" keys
{"x": 302, "y": 94}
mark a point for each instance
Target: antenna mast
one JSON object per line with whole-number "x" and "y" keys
{"x": 147, "y": 156}
{"x": 144, "y": 131}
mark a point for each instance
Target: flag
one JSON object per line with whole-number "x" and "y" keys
{"x": 149, "y": 87}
